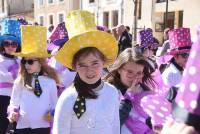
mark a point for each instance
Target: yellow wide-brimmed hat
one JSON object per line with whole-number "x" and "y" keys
{"x": 83, "y": 33}
{"x": 34, "y": 42}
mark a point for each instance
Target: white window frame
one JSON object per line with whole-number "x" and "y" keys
{"x": 62, "y": 12}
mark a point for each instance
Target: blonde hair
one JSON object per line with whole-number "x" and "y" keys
{"x": 129, "y": 55}
{"x": 25, "y": 78}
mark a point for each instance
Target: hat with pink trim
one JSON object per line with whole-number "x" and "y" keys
{"x": 180, "y": 41}
{"x": 187, "y": 102}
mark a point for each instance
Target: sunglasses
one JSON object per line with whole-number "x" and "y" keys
{"x": 10, "y": 44}
{"x": 184, "y": 55}
{"x": 30, "y": 62}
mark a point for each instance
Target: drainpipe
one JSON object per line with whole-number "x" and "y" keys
{"x": 98, "y": 12}
{"x": 166, "y": 15}
{"x": 134, "y": 39}
{"x": 81, "y": 4}
{"x": 122, "y": 11}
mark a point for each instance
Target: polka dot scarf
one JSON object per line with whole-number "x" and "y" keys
{"x": 37, "y": 90}
{"x": 84, "y": 91}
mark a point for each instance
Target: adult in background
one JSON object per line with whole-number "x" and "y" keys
{"x": 124, "y": 40}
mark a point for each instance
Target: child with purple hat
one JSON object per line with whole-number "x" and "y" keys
{"x": 147, "y": 45}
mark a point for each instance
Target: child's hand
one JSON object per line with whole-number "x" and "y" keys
{"x": 13, "y": 117}
{"x": 48, "y": 117}
{"x": 172, "y": 127}
{"x": 135, "y": 88}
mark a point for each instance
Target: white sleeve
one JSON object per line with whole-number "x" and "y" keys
{"x": 53, "y": 95}
{"x": 63, "y": 115}
{"x": 5, "y": 75}
{"x": 116, "y": 121}
{"x": 171, "y": 79}
{"x": 16, "y": 94}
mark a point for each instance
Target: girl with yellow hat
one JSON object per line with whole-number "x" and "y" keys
{"x": 89, "y": 105}
{"x": 34, "y": 93}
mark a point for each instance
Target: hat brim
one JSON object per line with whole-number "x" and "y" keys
{"x": 9, "y": 37}
{"x": 32, "y": 55}
{"x": 174, "y": 52}
{"x": 103, "y": 41}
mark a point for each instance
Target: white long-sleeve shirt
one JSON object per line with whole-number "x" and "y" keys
{"x": 171, "y": 76}
{"x": 6, "y": 77}
{"x": 66, "y": 76}
{"x": 101, "y": 116}
{"x": 33, "y": 108}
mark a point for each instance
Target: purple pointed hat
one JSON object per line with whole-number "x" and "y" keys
{"x": 58, "y": 37}
{"x": 187, "y": 106}
{"x": 146, "y": 38}
{"x": 179, "y": 40}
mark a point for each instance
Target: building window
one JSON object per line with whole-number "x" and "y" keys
{"x": 180, "y": 19}
{"x": 60, "y": 17}
{"x": 170, "y": 20}
{"x": 106, "y": 19}
{"x": 50, "y": 19}
{"x": 41, "y": 20}
{"x": 115, "y": 18}
{"x": 50, "y": 1}
{"x": 41, "y": 2}
{"x": 159, "y": 1}
{"x": 91, "y": 1}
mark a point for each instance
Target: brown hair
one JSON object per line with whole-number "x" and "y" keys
{"x": 85, "y": 52}
{"x": 26, "y": 78}
{"x": 2, "y": 49}
{"x": 129, "y": 55}
{"x": 88, "y": 93}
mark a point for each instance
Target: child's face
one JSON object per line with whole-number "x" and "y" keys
{"x": 32, "y": 65}
{"x": 131, "y": 72}
{"x": 10, "y": 46}
{"x": 146, "y": 53}
{"x": 89, "y": 68}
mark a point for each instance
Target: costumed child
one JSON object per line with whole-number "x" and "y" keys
{"x": 9, "y": 43}
{"x": 130, "y": 74}
{"x": 34, "y": 91}
{"x": 89, "y": 105}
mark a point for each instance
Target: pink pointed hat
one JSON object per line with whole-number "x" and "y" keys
{"x": 179, "y": 40}
{"x": 187, "y": 106}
